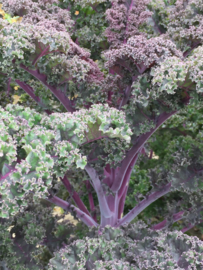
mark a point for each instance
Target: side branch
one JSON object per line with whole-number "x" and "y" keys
{"x": 127, "y": 175}
{"x": 135, "y": 149}
{"x": 190, "y": 226}
{"x": 124, "y": 187}
{"x": 57, "y": 92}
{"x": 91, "y": 200}
{"x": 163, "y": 224}
{"x": 80, "y": 214}
{"x": 74, "y": 195}
{"x": 44, "y": 52}
{"x": 29, "y": 90}
{"x": 178, "y": 216}
{"x": 104, "y": 208}
{"x": 143, "y": 204}
{"x": 126, "y": 96}
{"x": 186, "y": 53}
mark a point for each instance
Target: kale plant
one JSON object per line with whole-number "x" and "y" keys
{"x": 111, "y": 82}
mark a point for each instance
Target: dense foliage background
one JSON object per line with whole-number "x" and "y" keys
{"x": 29, "y": 238}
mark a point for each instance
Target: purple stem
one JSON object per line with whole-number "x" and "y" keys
{"x": 143, "y": 204}
{"x": 75, "y": 195}
{"x": 151, "y": 154}
{"x": 190, "y": 226}
{"x": 124, "y": 64}
{"x": 156, "y": 27}
{"x": 94, "y": 7}
{"x": 91, "y": 201}
{"x": 141, "y": 67}
{"x": 185, "y": 229}
{"x": 185, "y": 54}
{"x": 80, "y": 214}
{"x": 150, "y": 199}
{"x": 57, "y": 92}
{"x": 104, "y": 208}
{"x": 40, "y": 55}
{"x": 127, "y": 93}
{"x": 109, "y": 95}
{"x": 135, "y": 149}
{"x": 125, "y": 97}
{"x": 127, "y": 175}
{"x": 163, "y": 224}
{"x": 122, "y": 203}
{"x": 124, "y": 187}
{"x": 3, "y": 73}
{"x": 30, "y": 91}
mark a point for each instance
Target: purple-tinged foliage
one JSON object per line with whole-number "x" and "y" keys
{"x": 149, "y": 70}
{"x": 125, "y": 18}
{"x": 29, "y": 238}
{"x": 131, "y": 247}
